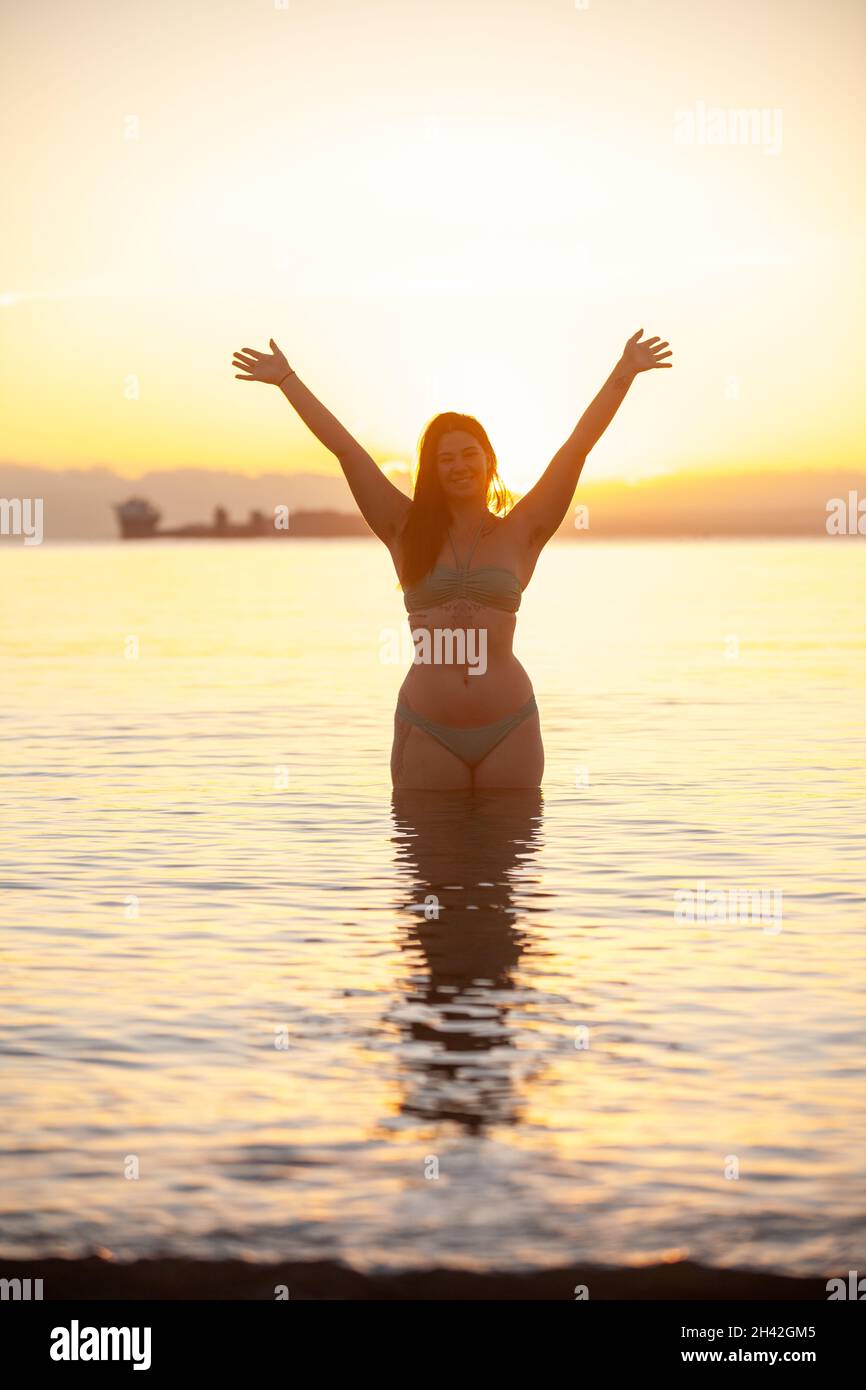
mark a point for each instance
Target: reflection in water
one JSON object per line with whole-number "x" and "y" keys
{"x": 265, "y": 907}
{"x": 464, "y": 857}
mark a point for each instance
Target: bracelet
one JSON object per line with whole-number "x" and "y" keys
{"x": 286, "y": 377}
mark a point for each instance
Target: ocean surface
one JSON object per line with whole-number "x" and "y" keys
{"x": 252, "y": 1006}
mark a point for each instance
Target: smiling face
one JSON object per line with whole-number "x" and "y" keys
{"x": 462, "y": 465}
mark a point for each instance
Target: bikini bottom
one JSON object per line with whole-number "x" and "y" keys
{"x": 470, "y": 745}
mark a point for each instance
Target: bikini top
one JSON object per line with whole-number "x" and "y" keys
{"x": 489, "y": 585}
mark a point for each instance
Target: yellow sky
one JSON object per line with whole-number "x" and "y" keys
{"x": 468, "y": 205}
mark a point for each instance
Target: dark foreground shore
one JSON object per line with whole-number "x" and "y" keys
{"x": 97, "y": 1278}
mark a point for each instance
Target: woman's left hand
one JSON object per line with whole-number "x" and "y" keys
{"x": 643, "y": 356}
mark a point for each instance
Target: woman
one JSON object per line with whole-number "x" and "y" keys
{"x": 466, "y": 717}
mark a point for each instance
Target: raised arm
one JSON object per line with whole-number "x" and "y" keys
{"x": 542, "y": 509}
{"x": 382, "y": 505}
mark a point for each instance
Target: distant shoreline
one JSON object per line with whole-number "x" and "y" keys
{"x": 583, "y": 538}
{"x": 81, "y": 503}
{"x": 172, "y": 1279}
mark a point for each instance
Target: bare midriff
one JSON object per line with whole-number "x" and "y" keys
{"x": 447, "y": 690}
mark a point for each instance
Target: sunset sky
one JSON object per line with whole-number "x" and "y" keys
{"x": 468, "y": 205}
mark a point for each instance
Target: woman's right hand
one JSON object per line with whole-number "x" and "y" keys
{"x": 270, "y": 367}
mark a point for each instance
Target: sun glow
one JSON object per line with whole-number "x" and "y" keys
{"x": 473, "y": 214}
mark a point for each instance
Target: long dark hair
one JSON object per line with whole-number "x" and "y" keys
{"x": 427, "y": 521}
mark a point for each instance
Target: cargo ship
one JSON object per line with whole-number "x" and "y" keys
{"x": 139, "y": 520}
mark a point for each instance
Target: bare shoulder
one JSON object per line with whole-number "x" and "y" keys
{"x": 509, "y": 536}
{"x": 493, "y": 524}
{"x": 524, "y": 532}
{"x": 520, "y": 544}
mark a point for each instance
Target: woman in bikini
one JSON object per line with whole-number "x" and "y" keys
{"x": 466, "y": 716}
